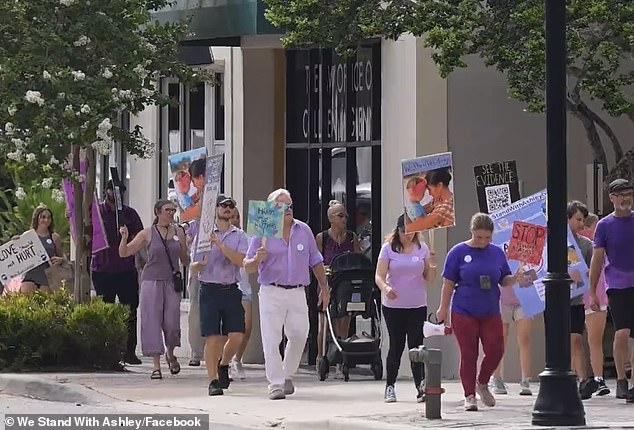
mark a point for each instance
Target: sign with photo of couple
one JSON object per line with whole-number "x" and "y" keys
{"x": 497, "y": 185}
{"x": 428, "y": 192}
{"x": 188, "y": 173}
{"x": 265, "y": 219}
{"x": 513, "y": 221}
{"x": 21, "y": 255}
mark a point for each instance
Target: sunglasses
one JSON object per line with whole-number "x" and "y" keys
{"x": 625, "y": 194}
{"x": 288, "y": 207}
{"x": 227, "y": 205}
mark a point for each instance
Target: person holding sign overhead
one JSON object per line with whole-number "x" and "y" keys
{"x": 221, "y": 312}
{"x": 473, "y": 271}
{"x": 283, "y": 264}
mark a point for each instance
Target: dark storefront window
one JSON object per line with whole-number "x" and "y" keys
{"x": 333, "y": 124}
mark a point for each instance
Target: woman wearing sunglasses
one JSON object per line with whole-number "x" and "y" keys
{"x": 159, "y": 296}
{"x": 334, "y": 241}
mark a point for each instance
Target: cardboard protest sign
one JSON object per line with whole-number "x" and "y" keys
{"x": 188, "y": 172}
{"x": 213, "y": 172}
{"x": 265, "y": 219}
{"x": 497, "y": 185}
{"x": 21, "y": 255}
{"x": 99, "y": 240}
{"x": 531, "y": 294}
{"x": 428, "y": 192}
{"x": 527, "y": 242}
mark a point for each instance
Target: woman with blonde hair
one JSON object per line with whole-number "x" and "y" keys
{"x": 160, "y": 293}
{"x": 44, "y": 225}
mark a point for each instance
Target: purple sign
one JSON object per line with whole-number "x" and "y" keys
{"x": 99, "y": 241}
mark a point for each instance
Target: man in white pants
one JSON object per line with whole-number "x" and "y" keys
{"x": 283, "y": 267}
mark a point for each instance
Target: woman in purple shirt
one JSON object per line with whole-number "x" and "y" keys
{"x": 405, "y": 267}
{"x": 473, "y": 271}
{"x": 160, "y": 302}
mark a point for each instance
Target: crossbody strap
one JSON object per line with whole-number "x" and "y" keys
{"x": 169, "y": 259}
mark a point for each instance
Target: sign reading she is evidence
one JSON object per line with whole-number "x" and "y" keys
{"x": 265, "y": 219}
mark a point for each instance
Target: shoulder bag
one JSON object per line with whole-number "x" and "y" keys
{"x": 177, "y": 277}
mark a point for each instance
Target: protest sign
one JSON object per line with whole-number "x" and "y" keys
{"x": 99, "y": 241}
{"x": 428, "y": 192}
{"x": 531, "y": 294}
{"x": 188, "y": 173}
{"x": 497, "y": 185}
{"x": 265, "y": 219}
{"x": 527, "y": 242}
{"x": 213, "y": 172}
{"x": 21, "y": 255}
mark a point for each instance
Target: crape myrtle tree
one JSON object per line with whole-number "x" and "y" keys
{"x": 68, "y": 69}
{"x": 508, "y": 35}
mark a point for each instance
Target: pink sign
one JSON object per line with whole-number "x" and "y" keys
{"x": 99, "y": 241}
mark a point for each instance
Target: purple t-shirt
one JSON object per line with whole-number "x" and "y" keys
{"x": 616, "y": 236}
{"x": 477, "y": 273}
{"x": 287, "y": 263}
{"x": 219, "y": 269}
{"x": 405, "y": 276}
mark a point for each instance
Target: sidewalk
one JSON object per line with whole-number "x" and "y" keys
{"x": 332, "y": 404}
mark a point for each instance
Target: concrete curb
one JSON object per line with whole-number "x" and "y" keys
{"x": 45, "y": 388}
{"x": 345, "y": 424}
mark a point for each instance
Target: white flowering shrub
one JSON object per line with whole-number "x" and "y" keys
{"x": 68, "y": 69}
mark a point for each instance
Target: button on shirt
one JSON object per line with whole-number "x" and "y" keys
{"x": 287, "y": 263}
{"x": 219, "y": 269}
{"x": 108, "y": 260}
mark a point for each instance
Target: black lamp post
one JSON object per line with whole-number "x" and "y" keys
{"x": 558, "y": 402}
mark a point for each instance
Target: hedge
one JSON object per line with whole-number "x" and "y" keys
{"x": 51, "y": 332}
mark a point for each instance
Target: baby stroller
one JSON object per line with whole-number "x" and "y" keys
{"x": 352, "y": 286}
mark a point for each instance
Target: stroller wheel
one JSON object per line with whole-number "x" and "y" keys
{"x": 377, "y": 369}
{"x": 324, "y": 367}
{"x": 346, "y": 372}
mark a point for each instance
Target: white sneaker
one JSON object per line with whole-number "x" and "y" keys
{"x": 237, "y": 371}
{"x": 390, "y": 394}
{"x": 470, "y": 403}
{"x": 485, "y": 395}
{"x": 498, "y": 386}
{"x": 525, "y": 388}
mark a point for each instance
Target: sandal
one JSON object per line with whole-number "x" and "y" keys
{"x": 156, "y": 374}
{"x": 175, "y": 368}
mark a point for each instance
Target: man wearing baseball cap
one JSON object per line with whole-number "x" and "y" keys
{"x": 220, "y": 300}
{"x": 614, "y": 239}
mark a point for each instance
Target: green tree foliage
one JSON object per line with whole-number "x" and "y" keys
{"x": 508, "y": 35}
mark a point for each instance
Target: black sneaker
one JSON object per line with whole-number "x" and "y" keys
{"x": 621, "y": 389}
{"x": 132, "y": 359}
{"x": 603, "y": 389}
{"x": 223, "y": 376}
{"x": 215, "y": 389}
{"x": 587, "y": 388}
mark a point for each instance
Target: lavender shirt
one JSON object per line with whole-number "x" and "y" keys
{"x": 287, "y": 264}
{"x": 616, "y": 236}
{"x": 219, "y": 269}
{"x": 405, "y": 276}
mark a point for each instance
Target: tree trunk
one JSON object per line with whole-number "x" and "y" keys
{"x": 83, "y": 194}
{"x": 591, "y": 132}
{"x": 616, "y": 144}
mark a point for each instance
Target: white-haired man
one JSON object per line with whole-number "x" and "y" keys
{"x": 283, "y": 267}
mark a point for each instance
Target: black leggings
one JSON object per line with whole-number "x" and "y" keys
{"x": 403, "y": 323}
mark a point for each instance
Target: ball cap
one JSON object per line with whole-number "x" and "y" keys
{"x": 619, "y": 185}
{"x": 224, "y": 199}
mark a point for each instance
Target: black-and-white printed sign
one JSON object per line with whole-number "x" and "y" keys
{"x": 497, "y": 185}
{"x": 21, "y": 255}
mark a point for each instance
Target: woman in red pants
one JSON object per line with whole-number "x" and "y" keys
{"x": 473, "y": 271}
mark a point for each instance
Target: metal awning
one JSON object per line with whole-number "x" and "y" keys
{"x": 211, "y": 20}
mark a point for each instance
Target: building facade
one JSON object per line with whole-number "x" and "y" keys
{"x": 328, "y": 128}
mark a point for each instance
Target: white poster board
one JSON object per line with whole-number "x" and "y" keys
{"x": 213, "y": 171}
{"x": 21, "y": 255}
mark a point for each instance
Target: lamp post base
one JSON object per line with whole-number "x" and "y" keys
{"x": 558, "y": 402}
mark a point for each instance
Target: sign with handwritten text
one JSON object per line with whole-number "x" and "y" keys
{"x": 213, "y": 173}
{"x": 497, "y": 185}
{"x": 265, "y": 219}
{"x": 21, "y": 255}
{"x": 527, "y": 242}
